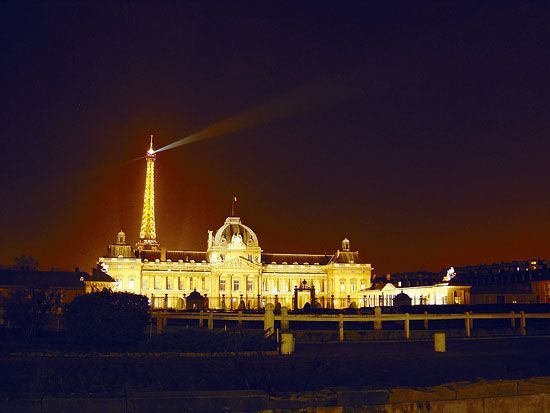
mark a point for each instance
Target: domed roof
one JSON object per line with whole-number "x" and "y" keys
{"x": 234, "y": 232}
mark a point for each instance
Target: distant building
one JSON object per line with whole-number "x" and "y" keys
{"x": 65, "y": 284}
{"x": 422, "y": 287}
{"x": 526, "y": 282}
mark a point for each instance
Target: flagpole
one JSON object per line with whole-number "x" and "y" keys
{"x": 233, "y": 201}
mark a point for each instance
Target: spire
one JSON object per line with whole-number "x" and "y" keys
{"x": 151, "y": 151}
{"x": 147, "y": 233}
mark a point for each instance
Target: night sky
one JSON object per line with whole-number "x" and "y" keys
{"x": 422, "y": 132}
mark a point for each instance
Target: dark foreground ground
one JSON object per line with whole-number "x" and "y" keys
{"x": 312, "y": 367}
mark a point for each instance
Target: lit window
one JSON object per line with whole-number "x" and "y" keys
{"x": 235, "y": 285}
{"x": 222, "y": 285}
{"x": 352, "y": 285}
{"x": 342, "y": 286}
{"x": 363, "y": 285}
{"x": 203, "y": 283}
{"x": 249, "y": 285}
{"x": 157, "y": 283}
{"x": 145, "y": 284}
{"x": 131, "y": 284}
{"x": 180, "y": 283}
{"x": 168, "y": 283}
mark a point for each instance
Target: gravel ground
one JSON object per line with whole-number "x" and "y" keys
{"x": 312, "y": 367}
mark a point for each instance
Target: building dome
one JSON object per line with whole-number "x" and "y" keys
{"x": 234, "y": 233}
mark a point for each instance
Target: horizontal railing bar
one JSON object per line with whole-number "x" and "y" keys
{"x": 352, "y": 318}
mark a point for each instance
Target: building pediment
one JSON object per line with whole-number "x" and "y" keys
{"x": 237, "y": 263}
{"x": 389, "y": 287}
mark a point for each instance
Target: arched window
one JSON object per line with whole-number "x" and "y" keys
{"x": 353, "y": 285}
{"x": 342, "y": 285}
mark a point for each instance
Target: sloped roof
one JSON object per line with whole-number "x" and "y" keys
{"x": 43, "y": 279}
{"x": 150, "y": 255}
{"x": 312, "y": 259}
{"x": 98, "y": 276}
{"x": 195, "y": 295}
{"x": 187, "y": 256}
{"x": 347, "y": 257}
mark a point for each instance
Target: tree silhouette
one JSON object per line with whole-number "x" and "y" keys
{"x": 25, "y": 262}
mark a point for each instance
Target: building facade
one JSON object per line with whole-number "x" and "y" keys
{"x": 234, "y": 273}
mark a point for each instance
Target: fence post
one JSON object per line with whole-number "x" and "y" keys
{"x": 407, "y": 326}
{"x": 284, "y": 318}
{"x": 513, "y": 319}
{"x": 341, "y": 327}
{"x": 269, "y": 319}
{"x": 210, "y": 320}
{"x": 378, "y": 315}
{"x": 467, "y": 324}
{"x": 160, "y": 323}
{"x": 439, "y": 342}
{"x": 471, "y": 321}
{"x": 522, "y": 323}
{"x": 425, "y": 320}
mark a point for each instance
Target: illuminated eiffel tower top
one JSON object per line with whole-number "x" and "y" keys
{"x": 147, "y": 233}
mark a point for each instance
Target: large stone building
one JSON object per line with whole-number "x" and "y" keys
{"x": 233, "y": 272}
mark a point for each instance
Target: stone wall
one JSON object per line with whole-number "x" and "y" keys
{"x": 503, "y": 396}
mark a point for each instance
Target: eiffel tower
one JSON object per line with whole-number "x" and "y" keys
{"x": 147, "y": 233}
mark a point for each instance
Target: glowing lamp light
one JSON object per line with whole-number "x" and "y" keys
{"x": 151, "y": 151}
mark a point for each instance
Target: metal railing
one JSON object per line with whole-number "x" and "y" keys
{"x": 268, "y": 319}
